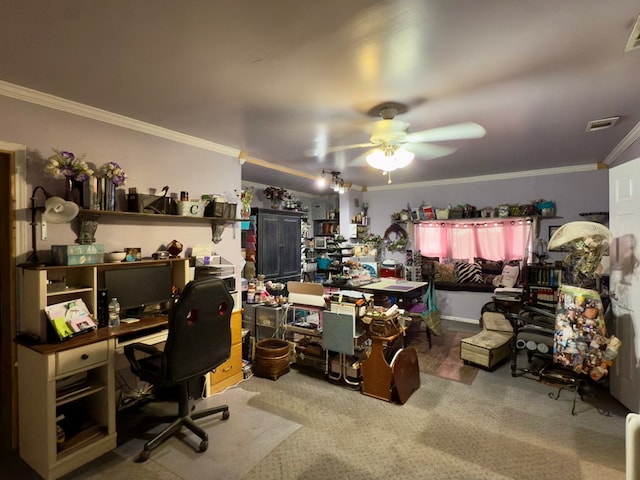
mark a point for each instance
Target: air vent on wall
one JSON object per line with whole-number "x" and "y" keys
{"x": 634, "y": 38}
{"x": 601, "y": 123}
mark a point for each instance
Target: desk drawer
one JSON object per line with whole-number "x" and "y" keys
{"x": 229, "y": 368}
{"x": 81, "y": 358}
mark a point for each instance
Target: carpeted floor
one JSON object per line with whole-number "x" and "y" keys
{"x": 497, "y": 428}
{"x": 443, "y": 358}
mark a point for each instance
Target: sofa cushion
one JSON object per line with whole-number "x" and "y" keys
{"x": 508, "y": 277}
{"x": 489, "y": 266}
{"x": 468, "y": 273}
{"x": 444, "y": 273}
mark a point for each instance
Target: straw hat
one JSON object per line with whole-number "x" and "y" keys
{"x": 573, "y": 231}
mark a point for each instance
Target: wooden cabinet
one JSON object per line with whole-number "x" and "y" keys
{"x": 278, "y": 236}
{"x": 230, "y": 372}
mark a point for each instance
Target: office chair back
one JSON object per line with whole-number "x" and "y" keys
{"x": 199, "y": 337}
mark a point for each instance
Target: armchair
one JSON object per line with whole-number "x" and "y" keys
{"x": 199, "y": 340}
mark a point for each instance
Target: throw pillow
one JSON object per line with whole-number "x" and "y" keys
{"x": 428, "y": 266}
{"x": 509, "y": 276}
{"x": 490, "y": 266}
{"x": 489, "y": 278}
{"x": 444, "y": 273}
{"x": 452, "y": 261}
{"x": 468, "y": 273}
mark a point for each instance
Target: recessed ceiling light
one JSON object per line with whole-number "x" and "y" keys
{"x": 601, "y": 124}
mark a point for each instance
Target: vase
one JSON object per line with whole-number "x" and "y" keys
{"x": 68, "y": 194}
{"x": 106, "y": 195}
{"x": 245, "y": 211}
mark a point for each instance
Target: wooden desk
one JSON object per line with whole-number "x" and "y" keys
{"x": 91, "y": 357}
{"x": 125, "y": 330}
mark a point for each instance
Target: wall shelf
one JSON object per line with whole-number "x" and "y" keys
{"x": 117, "y": 215}
{"x": 88, "y": 222}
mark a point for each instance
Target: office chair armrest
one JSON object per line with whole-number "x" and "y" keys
{"x": 130, "y": 353}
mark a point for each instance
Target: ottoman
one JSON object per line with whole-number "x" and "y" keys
{"x": 486, "y": 349}
{"x": 496, "y": 322}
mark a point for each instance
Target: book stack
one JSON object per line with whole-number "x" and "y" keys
{"x": 508, "y": 294}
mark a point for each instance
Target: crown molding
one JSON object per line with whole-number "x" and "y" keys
{"x": 625, "y": 143}
{"x": 488, "y": 178}
{"x": 69, "y": 106}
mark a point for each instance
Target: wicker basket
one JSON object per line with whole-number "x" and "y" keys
{"x": 271, "y": 358}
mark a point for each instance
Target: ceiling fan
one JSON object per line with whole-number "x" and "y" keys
{"x": 392, "y": 146}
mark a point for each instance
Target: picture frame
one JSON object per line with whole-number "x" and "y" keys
{"x": 320, "y": 242}
{"x": 428, "y": 212}
{"x": 415, "y": 214}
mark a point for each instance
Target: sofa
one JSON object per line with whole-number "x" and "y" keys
{"x": 463, "y": 287}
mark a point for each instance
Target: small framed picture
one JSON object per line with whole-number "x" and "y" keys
{"x": 320, "y": 242}
{"x": 428, "y": 212}
{"x": 415, "y": 214}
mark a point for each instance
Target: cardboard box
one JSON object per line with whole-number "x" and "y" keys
{"x": 77, "y": 254}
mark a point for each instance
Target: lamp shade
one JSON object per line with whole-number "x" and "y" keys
{"x": 57, "y": 210}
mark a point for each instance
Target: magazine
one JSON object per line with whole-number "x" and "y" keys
{"x": 70, "y": 318}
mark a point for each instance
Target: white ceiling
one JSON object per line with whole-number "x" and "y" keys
{"x": 284, "y": 77}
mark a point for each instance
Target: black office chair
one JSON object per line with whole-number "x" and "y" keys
{"x": 199, "y": 340}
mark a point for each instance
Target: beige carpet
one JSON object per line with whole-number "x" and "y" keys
{"x": 443, "y": 358}
{"x": 236, "y": 445}
{"x": 497, "y": 428}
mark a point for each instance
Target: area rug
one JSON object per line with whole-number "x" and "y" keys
{"x": 443, "y": 358}
{"x": 236, "y": 445}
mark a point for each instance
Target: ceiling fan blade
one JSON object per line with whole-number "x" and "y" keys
{"x": 360, "y": 160}
{"x": 340, "y": 148}
{"x": 427, "y": 150}
{"x": 320, "y": 152}
{"x": 458, "y": 131}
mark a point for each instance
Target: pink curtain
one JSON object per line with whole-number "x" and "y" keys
{"x": 494, "y": 240}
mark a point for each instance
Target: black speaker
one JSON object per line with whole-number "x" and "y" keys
{"x": 103, "y": 307}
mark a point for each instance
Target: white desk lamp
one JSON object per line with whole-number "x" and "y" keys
{"x": 56, "y": 210}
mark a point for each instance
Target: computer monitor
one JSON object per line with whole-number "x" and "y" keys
{"x": 140, "y": 287}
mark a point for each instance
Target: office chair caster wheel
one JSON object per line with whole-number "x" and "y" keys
{"x": 144, "y": 456}
{"x": 204, "y": 444}
{"x": 225, "y": 415}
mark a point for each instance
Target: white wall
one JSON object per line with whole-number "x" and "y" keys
{"x": 149, "y": 161}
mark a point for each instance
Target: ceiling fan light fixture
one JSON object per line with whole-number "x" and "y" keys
{"x": 390, "y": 159}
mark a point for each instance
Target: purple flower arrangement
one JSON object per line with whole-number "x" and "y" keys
{"x": 65, "y": 164}
{"x": 114, "y": 172}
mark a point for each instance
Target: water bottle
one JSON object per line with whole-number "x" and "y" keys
{"x": 114, "y": 313}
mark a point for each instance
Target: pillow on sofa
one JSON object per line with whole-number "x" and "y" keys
{"x": 468, "y": 273}
{"x": 508, "y": 277}
{"x": 453, "y": 261}
{"x": 444, "y": 273}
{"x": 428, "y": 266}
{"x": 490, "y": 266}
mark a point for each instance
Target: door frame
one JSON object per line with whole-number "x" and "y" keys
{"x": 13, "y": 206}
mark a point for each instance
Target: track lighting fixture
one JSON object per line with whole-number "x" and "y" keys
{"x": 336, "y": 183}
